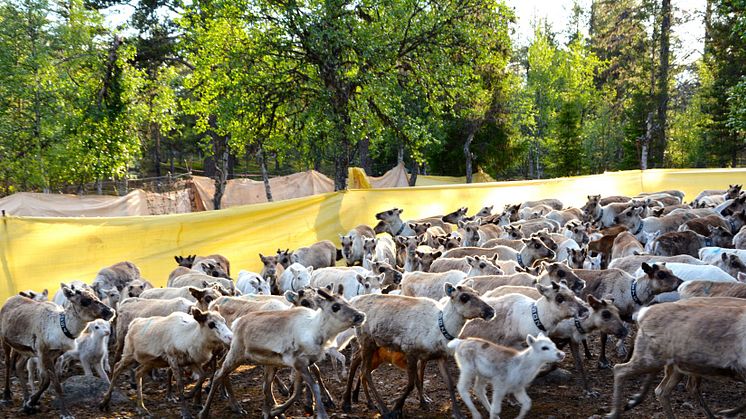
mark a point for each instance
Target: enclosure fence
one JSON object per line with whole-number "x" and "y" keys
{"x": 41, "y": 252}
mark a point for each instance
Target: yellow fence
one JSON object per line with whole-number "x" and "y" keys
{"x": 40, "y": 253}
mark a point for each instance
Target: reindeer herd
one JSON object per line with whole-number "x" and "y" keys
{"x": 498, "y": 292}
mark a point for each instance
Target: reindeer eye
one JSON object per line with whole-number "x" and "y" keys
{"x": 544, "y": 348}
{"x": 305, "y": 303}
{"x": 367, "y": 285}
{"x": 211, "y": 325}
{"x": 661, "y": 275}
{"x": 381, "y": 270}
{"x": 482, "y": 265}
{"x": 96, "y": 327}
{"x": 464, "y": 298}
{"x": 606, "y": 315}
{"x": 629, "y": 213}
{"x": 208, "y": 299}
{"x": 561, "y": 273}
{"x": 335, "y": 307}
{"x": 537, "y": 245}
{"x": 560, "y": 299}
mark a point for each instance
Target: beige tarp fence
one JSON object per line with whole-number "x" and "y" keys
{"x": 137, "y": 202}
{"x": 428, "y": 180}
{"x": 247, "y": 191}
{"x": 394, "y": 178}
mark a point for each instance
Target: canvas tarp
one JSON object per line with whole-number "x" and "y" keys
{"x": 394, "y": 178}
{"x": 137, "y": 202}
{"x": 429, "y": 180}
{"x": 247, "y": 191}
{"x": 41, "y": 252}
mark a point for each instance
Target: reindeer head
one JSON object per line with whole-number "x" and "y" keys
{"x": 562, "y": 300}
{"x": 468, "y": 303}
{"x": 390, "y": 274}
{"x": 214, "y": 324}
{"x": 390, "y": 216}
{"x": 660, "y": 278}
{"x": 455, "y": 216}
{"x": 561, "y": 273}
{"x": 604, "y": 316}
{"x": 86, "y": 303}
{"x": 186, "y": 262}
{"x": 284, "y": 257}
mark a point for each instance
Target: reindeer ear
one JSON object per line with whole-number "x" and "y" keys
{"x": 450, "y": 289}
{"x": 198, "y": 315}
{"x": 594, "y": 302}
{"x": 322, "y": 292}
{"x": 530, "y": 340}
{"x": 45, "y": 292}
{"x": 291, "y": 296}
{"x": 196, "y": 293}
{"x": 67, "y": 291}
{"x": 647, "y": 268}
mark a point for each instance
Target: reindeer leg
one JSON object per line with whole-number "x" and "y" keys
{"x": 575, "y": 349}
{"x": 638, "y": 398}
{"x": 7, "y": 396}
{"x": 277, "y": 411}
{"x": 347, "y": 397}
{"x": 663, "y": 392}
{"x": 367, "y": 351}
{"x": 411, "y": 380}
{"x": 26, "y": 379}
{"x": 179, "y": 374}
{"x": 603, "y": 362}
{"x": 449, "y": 384}
{"x": 48, "y": 363}
{"x": 269, "y": 397}
{"x": 221, "y": 377}
{"x": 588, "y": 354}
{"x": 692, "y": 384}
{"x": 118, "y": 368}
{"x": 425, "y": 401}
{"x": 325, "y": 396}
{"x": 140, "y": 372}
{"x": 306, "y": 374}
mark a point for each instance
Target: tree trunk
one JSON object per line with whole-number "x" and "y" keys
{"x": 400, "y": 152}
{"x": 708, "y": 29}
{"x": 156, "y": 132}
{"x": 365, "y": 160}
{"x": 220, "y": 148}
{"x": 265, "y": 177}
{"x": 660, "y": 146}
{"x": 468, "y": 155}
{"x": 645, "y": 142}
{"x": 414, "y": 172}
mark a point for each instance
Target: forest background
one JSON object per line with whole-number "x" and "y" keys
{"x": 231, "y": 88}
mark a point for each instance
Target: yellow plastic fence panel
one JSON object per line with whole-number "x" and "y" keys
{"x": 40, "y": 253}
{"x": 692, "y": 181}
{"x": 357, "y": 179}
{"x": 429, "y": 180}
{"x": 360, "y": 206}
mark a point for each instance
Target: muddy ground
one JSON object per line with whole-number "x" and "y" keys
{"x": 550, "y": 399}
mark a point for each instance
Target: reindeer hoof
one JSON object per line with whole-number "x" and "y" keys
{"x": 68, "y": 416}
{"x": 589, "y": 355}
{"x": 425, "y": 404}
{"x": 395, "y": 414}
{"x": 347, "y": 407}
{"x": 622, "y": 352}
{"x": 6, "y": 402}
{"x": 29, "y": 409}
{"x": 238, "y": 410}
{"x": 186, "y": 415}
{"x": 308, "y": 410}
{"x": 329, "y": 404}
{"x": 604, "y": 364}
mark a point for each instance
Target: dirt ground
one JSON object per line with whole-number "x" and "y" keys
{"x": 550, "y": 400}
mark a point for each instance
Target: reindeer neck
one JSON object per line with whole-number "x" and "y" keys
{"x": 549, "y": 318}
{"x": 452, "y": 320}
{"x": 642, "y": 290}
{"x": 530, "y": 364}
{"x": 524, "y": 258}
{"x": 74, "y": 324}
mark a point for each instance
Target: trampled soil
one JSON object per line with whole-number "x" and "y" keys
{"x": 550, "y": 400}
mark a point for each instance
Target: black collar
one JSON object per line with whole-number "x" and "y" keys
{"x": 732, "y": 226}
{"x": 63, "y": 326}
{"x": 535, "y": 316}
{"x": 633, "y": 291}
{"x": 708, "y": 241}
{"x": 639, "y": 229}
{"x": 400, "y": 229}
{"x": 519, "y": 258}
{"x": 442, "y": 327}
{"x": 600, "y": 214}
{"x": 579, "y": 327}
